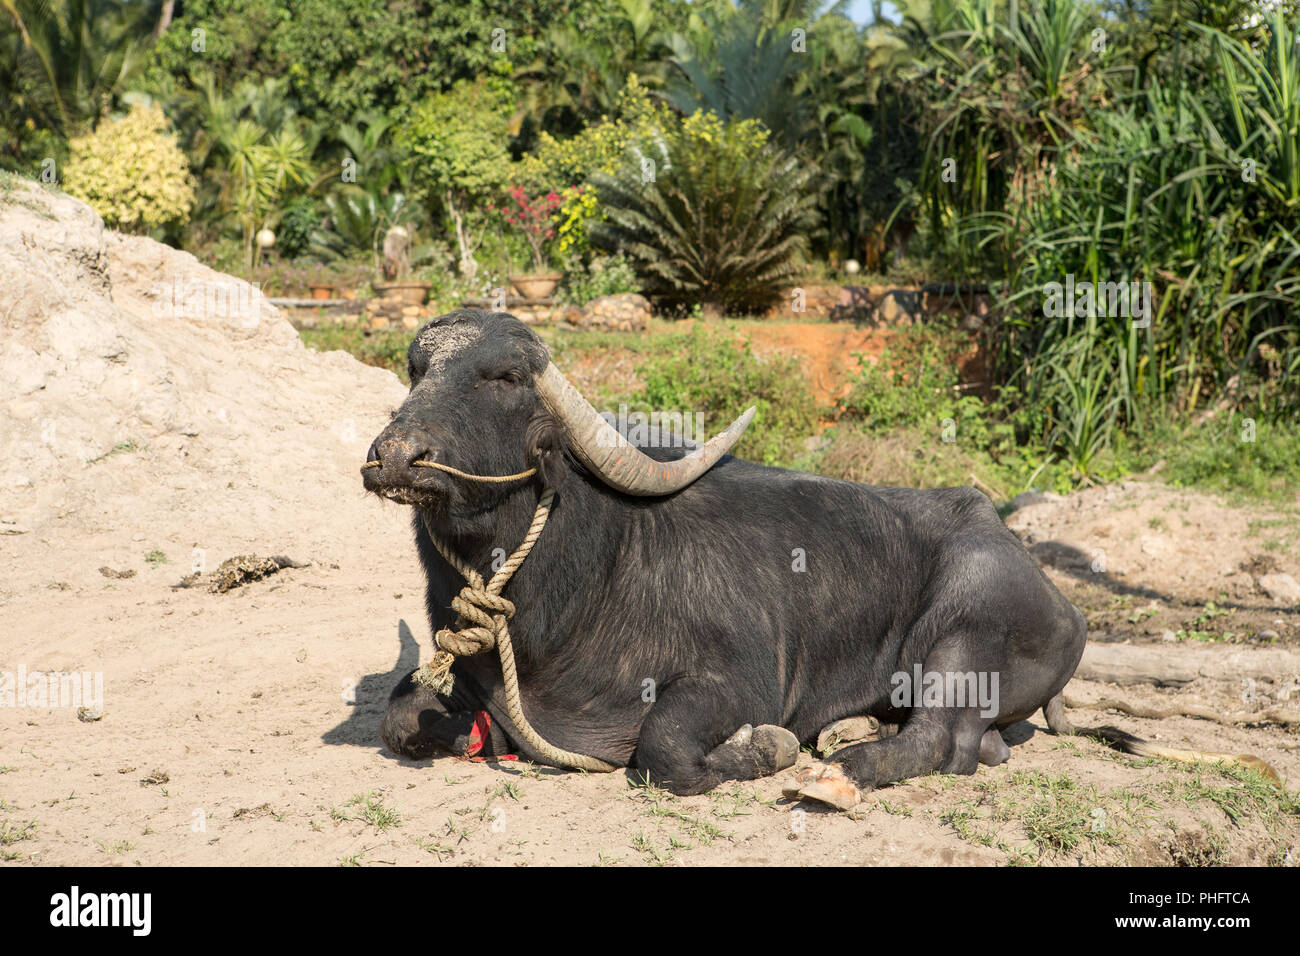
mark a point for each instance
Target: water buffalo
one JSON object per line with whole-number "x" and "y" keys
{"x": 696, "y": 616}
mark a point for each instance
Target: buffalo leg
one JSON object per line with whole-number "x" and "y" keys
{"x": 689, "y": 744}
{"x": 944, "y": 738}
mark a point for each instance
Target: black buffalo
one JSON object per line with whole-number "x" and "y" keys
{"x": 697, "y": 616}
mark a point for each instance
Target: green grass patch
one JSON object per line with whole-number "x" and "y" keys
{"x": 715, "y": 372}
{"x": 370, "y": 810}
{"x": 383, "y": 348}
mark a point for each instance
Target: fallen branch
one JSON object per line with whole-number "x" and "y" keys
{"x": 1274, "y": 716}
{"x": 1173, "y": 666}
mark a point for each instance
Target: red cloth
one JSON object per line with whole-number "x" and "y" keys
{"x": 478, "y": 736}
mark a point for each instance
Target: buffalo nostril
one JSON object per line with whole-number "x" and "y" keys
{"x": 423, "y": 454}
{"x": 373, "y": 454}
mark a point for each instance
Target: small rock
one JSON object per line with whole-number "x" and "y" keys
{"x": 155, "y": 779}
{"x": 628, "y": 312}
{"x": 1267, "y": 634}
{"x": 1168, "y": 635}
{"x": 1280, "y": 587}
{"x": 88, "y": 715}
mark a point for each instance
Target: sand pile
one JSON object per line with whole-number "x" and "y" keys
{"x": 152, "y": 400}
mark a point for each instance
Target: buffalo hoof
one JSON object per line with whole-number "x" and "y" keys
{"x": 778, "y": 745}
{"x": 993, "y": 749}
{"x": 401, "y": 734}
{"x": 827, "y": 783}
{"x": 850, "y": 730}
{"x": 753, "y": 752}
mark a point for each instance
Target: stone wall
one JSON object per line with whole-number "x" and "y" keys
{"x": 613, "y": 313}
{"x": 863, "y": 305}
{"x": 882, "y": 305}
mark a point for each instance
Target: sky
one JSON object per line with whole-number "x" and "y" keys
{"x": 860, "y": 11}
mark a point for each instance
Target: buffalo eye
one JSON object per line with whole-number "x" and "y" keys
{"x": 510, "y": 377}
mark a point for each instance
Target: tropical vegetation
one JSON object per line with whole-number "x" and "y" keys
{"x": 1122, "y": 176}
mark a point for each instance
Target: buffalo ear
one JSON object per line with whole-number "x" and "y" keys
{"x": 545, "y": 448}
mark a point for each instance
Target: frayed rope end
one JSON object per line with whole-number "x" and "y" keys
{"x": 436, "y": 675}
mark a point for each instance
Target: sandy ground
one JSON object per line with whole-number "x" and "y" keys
{"x": 240, "y": 727}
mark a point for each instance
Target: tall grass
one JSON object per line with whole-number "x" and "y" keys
{"x": 1185, "y": 178}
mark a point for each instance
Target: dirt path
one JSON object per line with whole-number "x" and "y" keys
{"x": 829, "y": 352}
{"x": 241, "y": 727}
{"x": 255, "y": 713}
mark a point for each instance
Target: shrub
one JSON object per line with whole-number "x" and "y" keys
{"x": 606, "y": 275}
{"x": 915, "y": 383}
{"x": 709, "y": 371}
{"x": 301, "y": 219}
{"x": 458, "y": 141}
{"x": 132, "y": 172}
{"x": 709, "y": 213}
{"x": 558, "y": 164}
{"x": 915, "y": 390}
{"x": 566, "y": 166}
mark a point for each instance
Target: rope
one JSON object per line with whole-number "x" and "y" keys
{"x": 462, "y": 474}
{"x": 482, "y": 622}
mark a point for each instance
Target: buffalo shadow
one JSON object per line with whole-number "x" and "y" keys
{"x": 361, "y": 728}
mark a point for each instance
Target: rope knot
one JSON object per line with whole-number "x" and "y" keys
{"x": 483, "y": 623}
{"x": 487, "y": 612}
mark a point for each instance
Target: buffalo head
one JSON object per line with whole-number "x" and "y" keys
{"x": 485, "y": 399}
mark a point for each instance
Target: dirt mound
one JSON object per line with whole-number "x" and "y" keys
{"x": 145, "y": 391}
{"x": 1146, "y": 560}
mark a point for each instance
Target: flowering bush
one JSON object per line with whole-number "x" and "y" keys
{"x": 131, "y": 172}
{"x": 532, "y": 217}
{"x": 578, "y": 207}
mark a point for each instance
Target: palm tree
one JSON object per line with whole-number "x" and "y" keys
{"x": 736, "y": 62}
{"x": 75, "y": 56}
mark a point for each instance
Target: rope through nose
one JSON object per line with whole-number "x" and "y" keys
{"x": 461, "y": 474}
